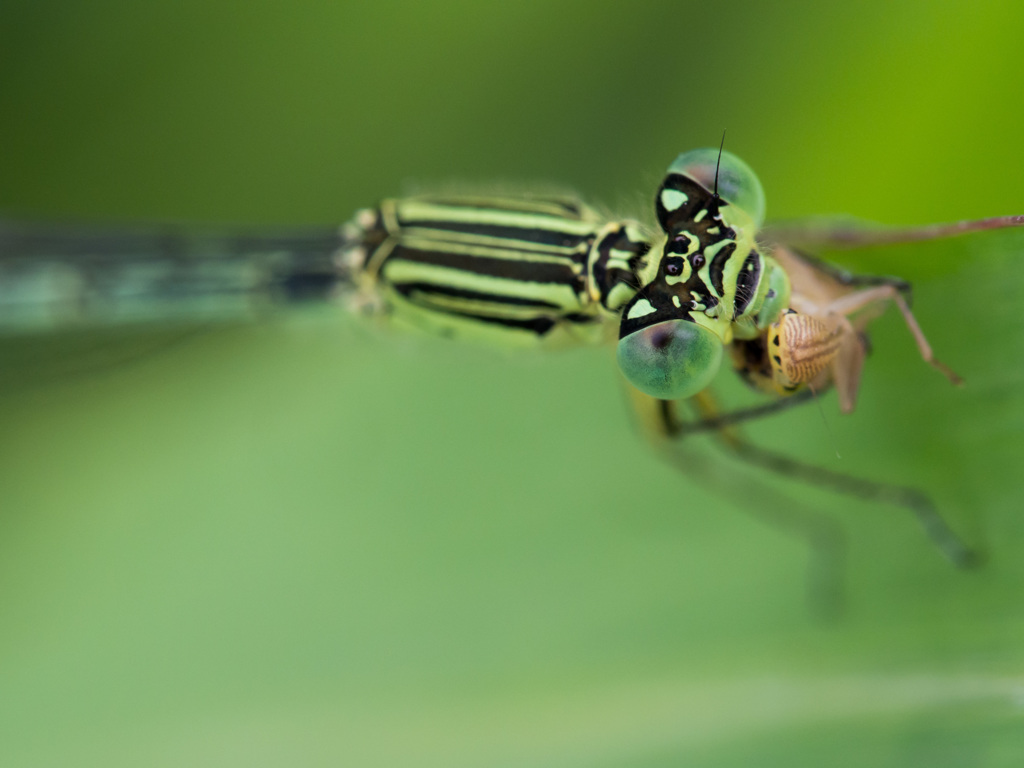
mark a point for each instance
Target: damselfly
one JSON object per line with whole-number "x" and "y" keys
{"x": 703, "y": 283}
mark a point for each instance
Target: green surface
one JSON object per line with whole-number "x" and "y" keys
{"x": 308, "y": 543}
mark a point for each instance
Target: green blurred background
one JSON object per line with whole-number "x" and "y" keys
{"x": 301, "y": 542}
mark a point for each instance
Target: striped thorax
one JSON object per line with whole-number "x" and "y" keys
{"x": 519, "y": 271}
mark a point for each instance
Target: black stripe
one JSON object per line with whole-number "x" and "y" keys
{"x": 502, "y": 231}
{"x": 606, "y": 279}
{"x": 538, "y": 325}
{"x": 429, "y": 289}
{"x": 746, "y": 283}
{"x": 507, "y": 269}
{"x": 717, "y": 267}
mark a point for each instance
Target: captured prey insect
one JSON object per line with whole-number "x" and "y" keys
{"x": 705, "y": 285}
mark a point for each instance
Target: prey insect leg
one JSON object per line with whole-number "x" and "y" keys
{"x": 823, "y": 233}
{"x": 852, "y": 302}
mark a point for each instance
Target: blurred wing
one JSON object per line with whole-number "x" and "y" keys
{"x": 56, "y": 277}
{"x": 77, "y": 299}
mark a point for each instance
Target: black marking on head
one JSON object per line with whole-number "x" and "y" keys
{"x": 717, "y": 268}
{"x": 680, "y": 244}
{"x": 673, "y": 266}
{"x": 660, "y": 297}
{"x": 747, "y": 282}
{"x": 698, "y": 198}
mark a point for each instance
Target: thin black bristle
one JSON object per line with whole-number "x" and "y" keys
{"x": 718, "y": 163}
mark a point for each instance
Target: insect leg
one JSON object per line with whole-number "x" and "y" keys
{"x": 851, "y": 279}
{"x": 911, "y": 499}
{"x": 852, "y": 302}
{"x": 717, "y": 422}
{"x": 825, "y": 539}
{"x": 846, "y": 234}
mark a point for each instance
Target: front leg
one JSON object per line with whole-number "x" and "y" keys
{"x": 858, "y": 300}
{"x": 824, "y": 538}
{"x": 911, "y": 499}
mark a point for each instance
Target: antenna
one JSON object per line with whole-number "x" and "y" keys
{"x": 718, "y": 162}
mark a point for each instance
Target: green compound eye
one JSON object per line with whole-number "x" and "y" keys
{"x": 777, "y": 298}
{"x": 737, "y": 183}
{"x": 670, "y": 360}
